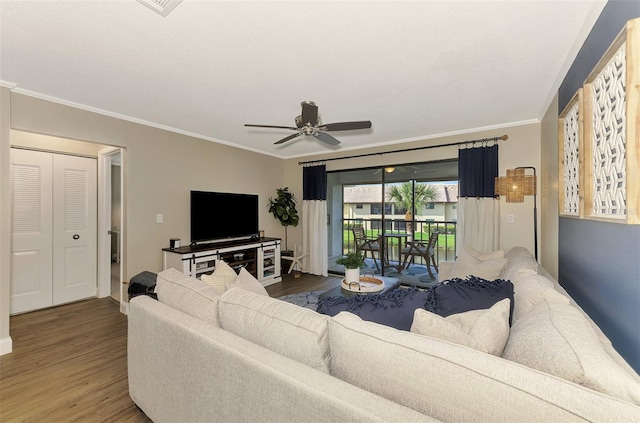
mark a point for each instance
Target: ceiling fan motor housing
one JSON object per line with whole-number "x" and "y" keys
{"x": 310, "y": 123}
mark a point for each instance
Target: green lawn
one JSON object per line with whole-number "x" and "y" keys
{"x": 443, "y": 240}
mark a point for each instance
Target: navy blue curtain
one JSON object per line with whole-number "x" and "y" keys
{"x": 314, "y": 182}
{"x": 477, "y": 171}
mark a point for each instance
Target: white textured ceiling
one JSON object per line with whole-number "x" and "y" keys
{"x": 416, "y": 69}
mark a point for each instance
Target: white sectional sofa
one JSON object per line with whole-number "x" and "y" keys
{"x": 200, "y": 355}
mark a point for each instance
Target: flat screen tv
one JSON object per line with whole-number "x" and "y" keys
{"x": 217, "y": 215}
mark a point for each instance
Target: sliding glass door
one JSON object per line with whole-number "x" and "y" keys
{"x": 394, "y": 205}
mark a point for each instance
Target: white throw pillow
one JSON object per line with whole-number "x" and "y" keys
{"x": 467, "y": 265}
{"x": 557, "y": 339}
{"x": 246, "y": 281}
{"x": 483, "y": 330}
{"x": 221, "y": 276}
{"x": 521, "y": 263}
{"x": 290, "y": 330}
{"x": 188, "y": 294}
{"x": 531, "y": 290}
{"x": 484, "y": 256}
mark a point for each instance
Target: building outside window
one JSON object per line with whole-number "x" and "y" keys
{"x": 376, "y": 208}
{"x": 400, "y": 210}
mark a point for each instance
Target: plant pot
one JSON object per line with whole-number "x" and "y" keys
{"x": 352, "y": 275}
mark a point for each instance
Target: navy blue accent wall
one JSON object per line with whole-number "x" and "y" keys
{"x": 599, "y": 266}
{"x": 599, "y": 263}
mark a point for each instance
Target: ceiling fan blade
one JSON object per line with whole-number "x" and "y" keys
{"x": 290, "y": 137}
{"x": 347, "y": 126}
{"x": 309, "y": 113}
{"x": 326, "y": 138}
{"x": 271, "y": 126}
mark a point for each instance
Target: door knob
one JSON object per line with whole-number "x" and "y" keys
{"x": 76, "y": 236}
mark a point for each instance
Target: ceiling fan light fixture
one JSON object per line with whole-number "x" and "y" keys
{"x": 389, "y": 169}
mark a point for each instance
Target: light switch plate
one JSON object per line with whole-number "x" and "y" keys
{"x": 511, "y": 218}
{"x": 159, "y": 218}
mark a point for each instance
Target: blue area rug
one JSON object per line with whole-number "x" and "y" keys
{"x": 304, "y": 299}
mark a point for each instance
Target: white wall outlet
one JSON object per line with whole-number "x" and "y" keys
{"x": 159, "y": 218}
{"x": 511, "y": 218}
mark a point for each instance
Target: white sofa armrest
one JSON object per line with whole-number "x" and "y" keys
{"x": 444, "y": 270}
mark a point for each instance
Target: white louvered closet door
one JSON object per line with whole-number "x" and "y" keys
{"x": 54, "y": 229}
{"x": 31, "y": 231}
{"x": 74, "y": 228}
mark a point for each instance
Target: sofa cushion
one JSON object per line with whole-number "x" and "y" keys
{"x": 557, "y": 339}
{"x": 188, "y": 294}
{"x": 482, "y": 330}
{"x": 295, "y": 332}
{"x": 531, "y": 290}
{"x": 460, "y": 295}
{"x": 520, "y": 263}
{"x": 467, "y": 265}
{"x": 394, "y": 308}
{"x": 248, "y": 282}
{"x": 454, "y": 383}
{"x": 222, "y": 276}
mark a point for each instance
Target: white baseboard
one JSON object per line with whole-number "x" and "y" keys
{"x": 124, "y": 308}
{"x": 6, "y": 345}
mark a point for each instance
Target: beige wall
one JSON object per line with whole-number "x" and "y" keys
{"x": 549, "y": 190}
{"x": 160, "y": 168}
{"x": 5, "y": 220}
{"x": 521, "y": 149}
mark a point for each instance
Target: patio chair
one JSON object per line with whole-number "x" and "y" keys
{"x": 365, "y": 243}
{"x": 423, "y": 249}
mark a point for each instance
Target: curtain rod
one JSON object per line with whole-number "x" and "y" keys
{"x": 503, "y": 138}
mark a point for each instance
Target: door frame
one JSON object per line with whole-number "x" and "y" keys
{"x": 105, "y": 158}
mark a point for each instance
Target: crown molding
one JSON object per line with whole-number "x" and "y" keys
{"x": 127, "y": 118}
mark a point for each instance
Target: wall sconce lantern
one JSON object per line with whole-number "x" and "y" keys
{"x": 514, "y": 187}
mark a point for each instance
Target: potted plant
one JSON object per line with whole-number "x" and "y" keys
{"x": 283, "y": 208}
{"x": 352, "y": 263}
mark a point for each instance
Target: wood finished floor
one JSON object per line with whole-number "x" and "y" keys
{"x": 69, "y": 363}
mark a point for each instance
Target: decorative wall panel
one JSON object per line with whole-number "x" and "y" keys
{"x": 608, "y": 138}
{"x": 599, "y": 138}
{"x": 571, "y": 151}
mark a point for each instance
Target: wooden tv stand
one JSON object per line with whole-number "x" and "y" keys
{"x": 260, "y": 256}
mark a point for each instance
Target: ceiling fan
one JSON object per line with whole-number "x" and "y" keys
{"x": 310, "y": 123}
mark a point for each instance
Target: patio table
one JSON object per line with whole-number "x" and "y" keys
{"x": 387, "y": 263}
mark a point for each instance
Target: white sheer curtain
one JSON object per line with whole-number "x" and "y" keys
{"x": 314, "y": 235}
{"x": 314, "y": 217}
{"x": 478, "y": 223}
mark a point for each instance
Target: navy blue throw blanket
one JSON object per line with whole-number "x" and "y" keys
{"x": 459, "y": 295}
{"x": 395, "y": 308}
